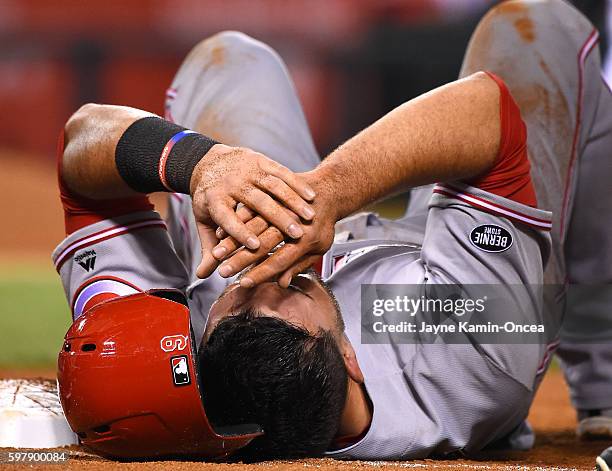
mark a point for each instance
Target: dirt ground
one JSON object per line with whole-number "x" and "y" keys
{"x": 31, "y": 209}
{"x": 551, "y": 416}
{"x": 33, "y": 216}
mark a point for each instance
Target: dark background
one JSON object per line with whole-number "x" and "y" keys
{"x": 352, "y": 60}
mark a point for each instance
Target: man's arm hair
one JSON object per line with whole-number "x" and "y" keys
{"x": 113, "y": 152}
{"x": 450, "y": 133}
{"x": 90, "y": 138}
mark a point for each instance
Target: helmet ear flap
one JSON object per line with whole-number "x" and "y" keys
{"x": 129, "y": 381}
{"x": 174, "y": 295}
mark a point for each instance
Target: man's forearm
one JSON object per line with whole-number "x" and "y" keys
{"x": 91, "y": 136}
{"x": 112, "y": 152}
{"x": 450, "y": 133}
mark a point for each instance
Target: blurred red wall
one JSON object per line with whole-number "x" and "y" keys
{"x": 55, "y": 55}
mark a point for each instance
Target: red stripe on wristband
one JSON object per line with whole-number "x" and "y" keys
{"x": 164, "y": 156}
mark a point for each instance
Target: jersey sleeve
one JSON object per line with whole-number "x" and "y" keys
{"x": 488, "y": 231}
{"x": 510, "y": 176}
{"x": 473, "y": 236}
{"x": 487, "y": 236}
{"x": 483, "y": 243}
{"x": 80, "y": 211}
{"x": 113, "y": 248}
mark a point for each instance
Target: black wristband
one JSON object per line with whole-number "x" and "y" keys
{"x": 156, "y": 155}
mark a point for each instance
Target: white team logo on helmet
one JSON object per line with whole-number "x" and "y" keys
{"x": 170, "y": 343}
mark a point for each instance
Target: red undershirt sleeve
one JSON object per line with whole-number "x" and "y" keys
{"x": 510, "y": 176}
{"x": 80, "y": 211}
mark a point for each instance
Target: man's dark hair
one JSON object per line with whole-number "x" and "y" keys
{"x": 264, "y": 370}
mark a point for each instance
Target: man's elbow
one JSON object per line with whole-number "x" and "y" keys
{"x": 80, "y": 120}
{"x": 77, "y": 130}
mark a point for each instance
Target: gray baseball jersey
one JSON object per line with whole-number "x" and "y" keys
{"x": 548, "y": 55}
{"x": 440, "y": 398}
{"x": 427, "y": 399}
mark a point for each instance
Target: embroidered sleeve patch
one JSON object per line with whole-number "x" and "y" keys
{"x": 491, "y": 238}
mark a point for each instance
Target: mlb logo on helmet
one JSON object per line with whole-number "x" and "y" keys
{"x": 180, "y": 370}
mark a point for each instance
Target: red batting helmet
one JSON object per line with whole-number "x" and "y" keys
{"x": 129, "y": 386}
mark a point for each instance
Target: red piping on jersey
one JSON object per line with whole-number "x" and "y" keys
{"x": 489, "y": 202}
{"x": 493, "y": 208}
{"x": 88, "y": 236}
{"x": 99, "y": 237}
{"x": 550, "y": 349}
{"x": 584, "y": 52}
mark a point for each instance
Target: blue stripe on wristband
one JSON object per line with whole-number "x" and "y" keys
{"x": 166, "y": 152}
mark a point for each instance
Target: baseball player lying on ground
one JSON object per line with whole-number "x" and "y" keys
{"x": 279, "y": 347}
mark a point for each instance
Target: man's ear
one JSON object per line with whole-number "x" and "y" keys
{"x": 350, "y": 360}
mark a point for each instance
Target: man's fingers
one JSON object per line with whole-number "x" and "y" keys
{"x": 286, "y": 195}
{"x": 207, "y": 241}
{"x": 270, "y": 238}
{"x": 273, "y": 212}
{"x": 285, "y": 279}
{"x": 224, "y": 216}
{"x": 292, "y": 179}
{"x": 228, "y": 245}
{"x": 244, "y": 213}
{"x": 279, "y": 262}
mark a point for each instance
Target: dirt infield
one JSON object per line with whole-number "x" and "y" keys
{"x": 551, "y": 416}
{"x": 30, "y": 207}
